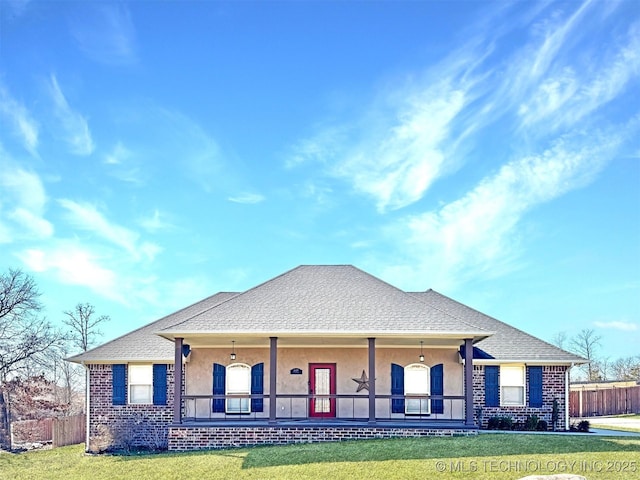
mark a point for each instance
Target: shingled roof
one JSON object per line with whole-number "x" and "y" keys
{"x": 325, "y": 299}
{"x": 143, "y": 344}
{"x": 507, "y": 343}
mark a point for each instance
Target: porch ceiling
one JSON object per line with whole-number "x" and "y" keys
{"x": 323, "y": 341}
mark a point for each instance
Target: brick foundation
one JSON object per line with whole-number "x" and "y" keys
{"x": 553, "y": 387}
{"x": 185, "y": 438}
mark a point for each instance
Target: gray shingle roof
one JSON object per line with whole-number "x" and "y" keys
{"x": 336, "y": 299}
{"x": 508, "y": 343}
{"x": 143, "y": 344}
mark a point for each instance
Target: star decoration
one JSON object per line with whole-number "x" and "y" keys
{"x": 363, "y": 382}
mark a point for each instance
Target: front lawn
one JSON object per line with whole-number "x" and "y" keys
{"x": 487, "y": 456}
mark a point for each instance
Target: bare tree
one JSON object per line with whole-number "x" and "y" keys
{"x": 24, "y": 334}
{"x": 84, "y": 325}
{"x": 586, "y": 344}
{"x": 627, "y": 368}
{"x": 559, "y": 339}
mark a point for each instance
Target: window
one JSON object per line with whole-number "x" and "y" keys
{"x": 512, "y": 381}
{"x": 416, "y": 384}
{"x": 238, "y": 383}
{"x": 140, "y": 384}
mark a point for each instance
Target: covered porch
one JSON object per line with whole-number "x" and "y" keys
{"x": 319, "y": 388}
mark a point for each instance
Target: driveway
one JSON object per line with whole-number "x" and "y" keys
{"x": 612, "y": 422}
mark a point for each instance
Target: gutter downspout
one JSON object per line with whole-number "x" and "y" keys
{"x": 566, "y": 396}
{"x": 87, "y": 407}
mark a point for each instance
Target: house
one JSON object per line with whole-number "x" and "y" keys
{"x": 319, "y": 353}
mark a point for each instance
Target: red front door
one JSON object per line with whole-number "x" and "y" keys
{"x": 322, "y": 385}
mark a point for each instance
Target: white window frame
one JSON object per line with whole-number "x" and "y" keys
{"x": 509, "y": 379}
{"x": 140, "y": 379}
{"x": 416, "y": 394}
{"x": 240, "y": 388}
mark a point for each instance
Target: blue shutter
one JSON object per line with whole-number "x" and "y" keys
{"x": 160, "y": 384}
{"x": 257, "y": 387}
{"x": 535, "y": 387}
{"x": 119, "y": 383}
{"x": 397, "y": 388}
{"x": 218, "y": 387}
{"x": 492, "y": 386}
{"x": 437, "y": 388}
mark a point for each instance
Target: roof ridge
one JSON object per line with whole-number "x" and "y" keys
{"x": 240, "y": 294}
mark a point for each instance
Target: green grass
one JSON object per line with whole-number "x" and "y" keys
{"x": 487, "y": 456}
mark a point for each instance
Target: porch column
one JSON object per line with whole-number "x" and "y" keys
{"x": 468, "y": 382}
{"x": 372, "y": 380}
{"x": 273, "y": 369}
{"x": 177, "y": 382}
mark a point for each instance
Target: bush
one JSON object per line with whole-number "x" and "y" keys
{"x": 500, "y": 423}
{"x": 531, "y": 423}
{"x": 542, "y": 426}
{"x": 582, "y": 426}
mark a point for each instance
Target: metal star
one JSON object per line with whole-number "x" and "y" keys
{"x": 363, "y": 382}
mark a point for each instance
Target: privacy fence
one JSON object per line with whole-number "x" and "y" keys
{"x": 59, "y": 431}
{"x": 604, "y": 401}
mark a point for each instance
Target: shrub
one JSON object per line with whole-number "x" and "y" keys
{"x": 542, "y": 426}
{"x": 493, "y": 423}
{"x": 583, "y": 426}
{"x": 500, "y": 423}
{"x": 506, "y": 423}
{"x": 531, "y": 423}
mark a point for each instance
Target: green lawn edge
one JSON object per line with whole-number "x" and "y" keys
{"x": 487, "y": 456}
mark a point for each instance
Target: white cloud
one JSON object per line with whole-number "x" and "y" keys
{"x": 22, "y": 204}
{"x": 34, "y": 224}
{"x": 567, "y": 96}
{"x": 118, "y": 154}
{"x": 156, "y": 222}
{"x": 24, "y": 126}
{"x": 477, "y": 234}
{"x": 391, "y": 156}
{"x": 247, "y": 198}
{"x": 75, "y": 265}
{"x": 617, "y": 325}
{"x": 75, "y": 128}
{"x": 105, "y": 33}
{"x": 86, "y": 217}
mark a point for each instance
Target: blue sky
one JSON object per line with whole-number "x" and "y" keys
{"x": 154, "y": 153}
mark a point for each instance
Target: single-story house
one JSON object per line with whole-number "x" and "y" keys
{"x": 318, "y": 353}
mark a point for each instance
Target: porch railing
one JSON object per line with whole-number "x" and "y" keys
{"x": 345, "y": 407}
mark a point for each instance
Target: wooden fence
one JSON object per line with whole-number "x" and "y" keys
{"x": 69, "y": 430}
{"x": 604, "y": 401}
{"x": 59, "y": 431}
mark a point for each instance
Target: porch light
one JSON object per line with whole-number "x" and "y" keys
{"x": 233, "y": 349}
{"x": 421, "y": 357}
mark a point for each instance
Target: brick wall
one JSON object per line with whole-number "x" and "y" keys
{"x": 125, "y": 426}
{"x": 553, "y": 387}
{"x": 185, "y": 438}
